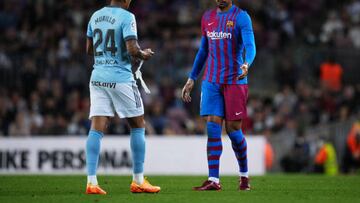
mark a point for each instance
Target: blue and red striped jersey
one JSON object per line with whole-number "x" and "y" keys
{"x": 226, "y": 33}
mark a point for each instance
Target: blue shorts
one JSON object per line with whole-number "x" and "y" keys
{"x": 224, "y": 100}
{"x": 212, "y": 100}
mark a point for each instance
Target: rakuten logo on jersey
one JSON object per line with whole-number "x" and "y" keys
{"x": 218, "y": 35}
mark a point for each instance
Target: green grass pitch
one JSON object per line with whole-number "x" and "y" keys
{"x": 273, "y": 188}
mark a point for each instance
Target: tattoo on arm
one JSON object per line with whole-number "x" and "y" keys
{"x": 133, "y": 48}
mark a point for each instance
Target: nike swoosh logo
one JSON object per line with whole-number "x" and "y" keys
{"x": 210, "y": 23}
{"x": 238, "y": 113}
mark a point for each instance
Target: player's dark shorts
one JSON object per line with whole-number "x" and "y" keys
{"x": 223, "y": 100}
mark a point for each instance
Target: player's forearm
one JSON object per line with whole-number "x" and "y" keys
{"x": 247, "y": 35}
{"x": 200, "y": 59}
{"x": 89, "y": 46}
{"x": 198, "y": 64}
{"x": 134, "y": 49}
{"x": 250, "y": 49}
{"x": 89, "y": 51}
{"x": 135, "y": 52}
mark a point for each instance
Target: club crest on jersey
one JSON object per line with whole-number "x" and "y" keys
{"x": 230, "y": 24}
{"x": 133, "y": 26}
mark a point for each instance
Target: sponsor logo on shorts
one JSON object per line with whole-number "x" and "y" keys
{"x": 104, "y": 84}
{"x": 238, "y": 113}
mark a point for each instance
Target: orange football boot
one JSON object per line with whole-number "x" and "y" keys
{"x": 94, "y": 189}
{"x": 146, "y": 187}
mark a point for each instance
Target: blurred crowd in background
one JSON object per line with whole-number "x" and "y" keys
{"x": 44, "y": 71}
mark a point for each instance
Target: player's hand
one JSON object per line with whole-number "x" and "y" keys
{"x": 187, "y": 90}
{"x": 245, "y": 70}
{"x": 147, "y": 54}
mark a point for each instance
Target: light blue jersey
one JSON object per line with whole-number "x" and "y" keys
{"x": 109, "y": 28}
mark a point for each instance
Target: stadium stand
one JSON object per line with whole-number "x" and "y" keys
{"x": 44, "y": 70}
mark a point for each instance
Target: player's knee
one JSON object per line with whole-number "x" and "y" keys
{"x": 215, "y": 119}
{"x": 99, "y": 123}
{"x": 232, "y": 126}
{"x": 229, "y": 129}
{"x": 137, "y": 122}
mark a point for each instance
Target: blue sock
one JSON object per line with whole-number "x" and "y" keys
{"x": 239, "y": 146}
{"x": 214, "y": 148}
{"x": 93, "y": 151}
{"x": 137, "y": 144}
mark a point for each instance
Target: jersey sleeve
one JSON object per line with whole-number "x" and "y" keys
{"x": 244, "y": 24}
{"x": 203, "y": 32}
{"x": 129, "y": 28}
{"x": 89, "y": 32}
{"x": 202, "y": 53}
{"x": 200, "y": 58}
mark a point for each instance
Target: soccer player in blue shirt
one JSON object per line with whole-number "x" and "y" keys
{"x": 227, "y": 50}
{"x": 112, "y": 40}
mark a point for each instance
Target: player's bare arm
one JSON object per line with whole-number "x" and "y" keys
{"x": 135, "y": 51}
{"x": 89, "y": 46}
{"x": 200, "y": 59}
{"x": 187, "y": 90}
{"x": 245, "y": 70}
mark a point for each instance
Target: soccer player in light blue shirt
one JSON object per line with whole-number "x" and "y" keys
{"x": 112, "y": 40}
{"x": 110, "y": 28}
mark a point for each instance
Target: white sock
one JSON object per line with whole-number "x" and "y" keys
{"x": 138, "y": 178}
{"x": 92, "y": 180}
{"x": 244, "y": 174}
{"x": 213, "y": 179}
